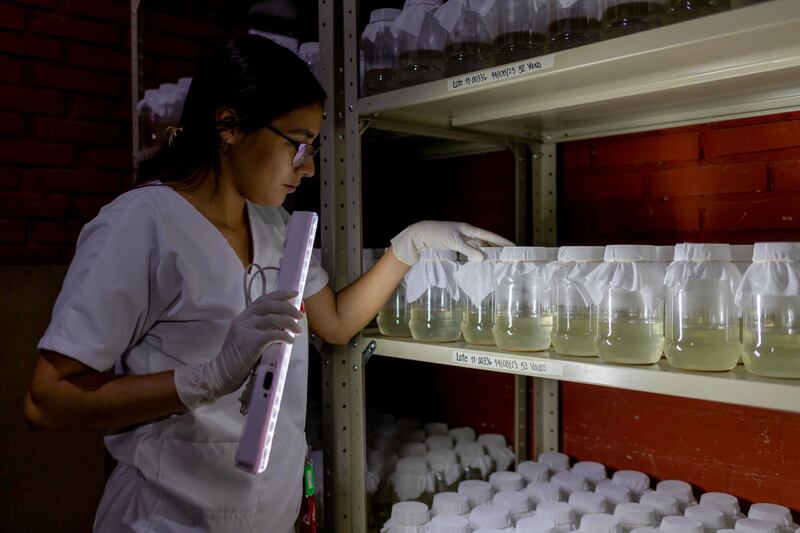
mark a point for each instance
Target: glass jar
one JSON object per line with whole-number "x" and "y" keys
{"x": 447, "y": 471}
{"x": 432, "y": 290}
{"x": 412, "y": 480}
{"x": 476, "y": 462}
{"x": 469, "y": 42}
{"x": 575, "y": 313}
{"x": 702, "y": 321}
{"x": 623, "y": 17}
{"x": 309, "y": 53}
{"x": 680, "y": 10}
{"x": 572, "y": 23}
{"x": 394, "y": 315}
{"x": 380, "y": 52}
{"x": 420, "y": 43}
{"x": 476, "y": 282}
{"x": 770, "y": 301}
{"x": 523, "y": 314}
{"x": 627, "y": 289}
{"x": 522, "y": 26}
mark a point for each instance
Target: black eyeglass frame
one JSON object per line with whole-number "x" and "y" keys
{"x": 302, "y": 151}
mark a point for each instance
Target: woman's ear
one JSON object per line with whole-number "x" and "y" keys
{"x": 227, "y": 125}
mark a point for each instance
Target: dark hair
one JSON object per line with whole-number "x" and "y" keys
{"x": 255, "y": 77}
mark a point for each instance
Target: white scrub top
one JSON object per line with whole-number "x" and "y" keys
{"x": 154, "y": 285}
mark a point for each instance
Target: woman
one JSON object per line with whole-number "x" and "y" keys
{"x": 155, "y": 292}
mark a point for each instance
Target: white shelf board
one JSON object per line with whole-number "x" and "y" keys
{"x": 734, "y": 64}
{"x": 734, "y": 387}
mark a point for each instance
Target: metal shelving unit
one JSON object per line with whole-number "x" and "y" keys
{"x": 736, "y": 64}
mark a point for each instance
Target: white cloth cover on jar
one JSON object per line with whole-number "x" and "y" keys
{"x": 594, "y": 472}
{"x": 407, "y": 517}
{"x": 632, "y": 268}
{"x": 502, "y": 454}
{"x": 574, "y": 264}
{"x": 378, "y": 20}
{"x": 413, "y": 15}
{"x": 473, "y": 455}
{"x": 446, "y": 463}
{"x": 476, "y": 278}
{"x": 436, "y": 268}
{"x": 771, "y": 512}
{"x": 451, "y": 504}
{"x": 600, "y": 523}
{"x": 532, "y": 471}
{"x": 412, "y": 478}
{"x": 708, "y": 262}
{"x": 727, "y": 503}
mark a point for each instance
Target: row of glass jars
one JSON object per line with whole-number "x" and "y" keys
{"x": 619, "y": 303}
{"x": 428, "y": 40}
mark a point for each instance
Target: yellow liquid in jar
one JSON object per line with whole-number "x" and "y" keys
{"x": 630, "y": 343}
{"x": 704, "y": 349}
{"x": 393, "y": 324}
{"x": 435, "y": 326}
{"x": 523, "y": 334}
{"x": 574, "y": 336}
{"x": 477, "y": 328}
{"x": 769, "y": 354}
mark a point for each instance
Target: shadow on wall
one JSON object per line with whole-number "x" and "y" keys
{"x": 50, "y": 481}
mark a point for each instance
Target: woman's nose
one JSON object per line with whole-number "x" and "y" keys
{"x": 307, "y": 169}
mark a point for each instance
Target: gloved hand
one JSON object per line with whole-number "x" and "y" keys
{"x": 268, "y": 320}
{"x": 408, "y": 245}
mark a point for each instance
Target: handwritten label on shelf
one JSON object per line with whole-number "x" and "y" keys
{"x": 504, "y": 363}
{"x": 502, "y": 72}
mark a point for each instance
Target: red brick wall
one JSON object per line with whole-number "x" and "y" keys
{"x": 732, "y": 182}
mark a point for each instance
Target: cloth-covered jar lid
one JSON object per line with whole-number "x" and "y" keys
{"x": 450, "y": 503}
{"x": 776, "y": 251}
{"x": 630, "y": 252}
{"x": 567, "y": 254}
{"x": 699, "y": 252}
{"x": 410, "y": 514}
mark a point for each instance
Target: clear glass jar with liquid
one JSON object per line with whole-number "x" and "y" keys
{"x": 572, "y": 23}
{"x": 476, "y": 282}
{"x": 523, "y": 313}
{"x": 420, "y": 43}
{"x": 469, "y": 43}
{"x": 522, "y": 25}
{"x": 575, "y": 323}
{"x": 680, "y": 10}
{"x": 623, "y": 17}
{"x": 380, "y": 52}
{"x": 769, "y": 296}
{"x": 436, "y": 312}
{"x": 394, "y": 315}
{"x": 702, "y": 320}
{"x": 627, "y": 288}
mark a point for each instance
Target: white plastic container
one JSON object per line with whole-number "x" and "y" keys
{"x": 627, "y": 288}
{"x": 447, "y": 471}
{"x": 489, "y": 516}
{"x": 727, "y": 503}
{"x": 420, "y": 42}
{"x": 522, "y": 25}
{"x": 637, "y": 482}
{"x": 570, "y": 482}
{"x": 543, "y": 491}
{"x": 516, "y": 502}
{"x": 594, "y": 472}
{"x": 408, "y": 517}
{"x": 572, "y": 23}
{"x": 555, "y": 461}
{"x": 477, "y": 492}
{"x": 433, "y": 293}
{"x": 662, "y": 504}
{"x": 523, "y": 313}
{"x": 575, "y": 323}
{"x": 600, "y": 523}
{"x": 633, "y": 515}
{"x": 588, "y": 503}
{"x": 680, "y": 490}
{"x": 533, "y": 472}
{"x": 712, "y": 518}
{"x": 702, "y": 320}
{"x": 769, "y": 297}
{"x": 477, "y": 283}
{"x": 469, "y": 43}
{"x": 560, "y": 513}
{"x": 449, "y": 524}
{"x": 476, "y": 462}
{"x": 778, "y": 514}
{"x": 450, "y": 504}
{"x": 379, "y": 46}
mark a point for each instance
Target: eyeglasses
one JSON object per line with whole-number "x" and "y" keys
{"x": 303, "y": 151}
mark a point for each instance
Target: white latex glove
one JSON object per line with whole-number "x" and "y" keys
{"x": 270, "y": 319}
{"x": 458, "y": 236}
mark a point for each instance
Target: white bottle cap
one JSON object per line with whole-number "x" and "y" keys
{"x": 771, "y": 513}
{"x": 726, "y": 503}
{"x": 543, "y": 491}
{"x": 635, "y": 514}
{"x": 439, "y": 442}
{"x": 630, "y": 252}
{"x": 516, "y": 502}
{"x": 570, "y": 482}
{"x": 411, "y": 465}
{"x": 441, "y": 459}
{"x": 600, "y": 523}
{"x": 535, "y": 524}
{"x": 663, "y": 505}
{"x": 711, "y": 517}
{"x": 614, "y": 493}
{"x": 567, "y": 254}
{"x": 489, "y": 515}
{"x": 413, "y": 449}
{"x": 680, "y": 490}
{"x": 637, "y": 481}
{"x": 492, "y": 440}
{"x": 449, "y": 524}
{"x": 450, "y": 503}
{"x": 410, "y": 514}
{"x": 386, "y": 15}
{"x": 505, "y": 481}
{"x": 756, "y": 525}
{"x": 681, "y": 524}
{"x": 588, "y": 503}
{"x": 436, "y": 428}
{"x": 559, "y": 512}
{"x": 477, "y": 492}
{"x": 594, "y": 472}
{"x": 532, "y": 472}
{"x": 555, "y": 461}
{"x": 413, "y": 435}
{"x": 465, "y": 434}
